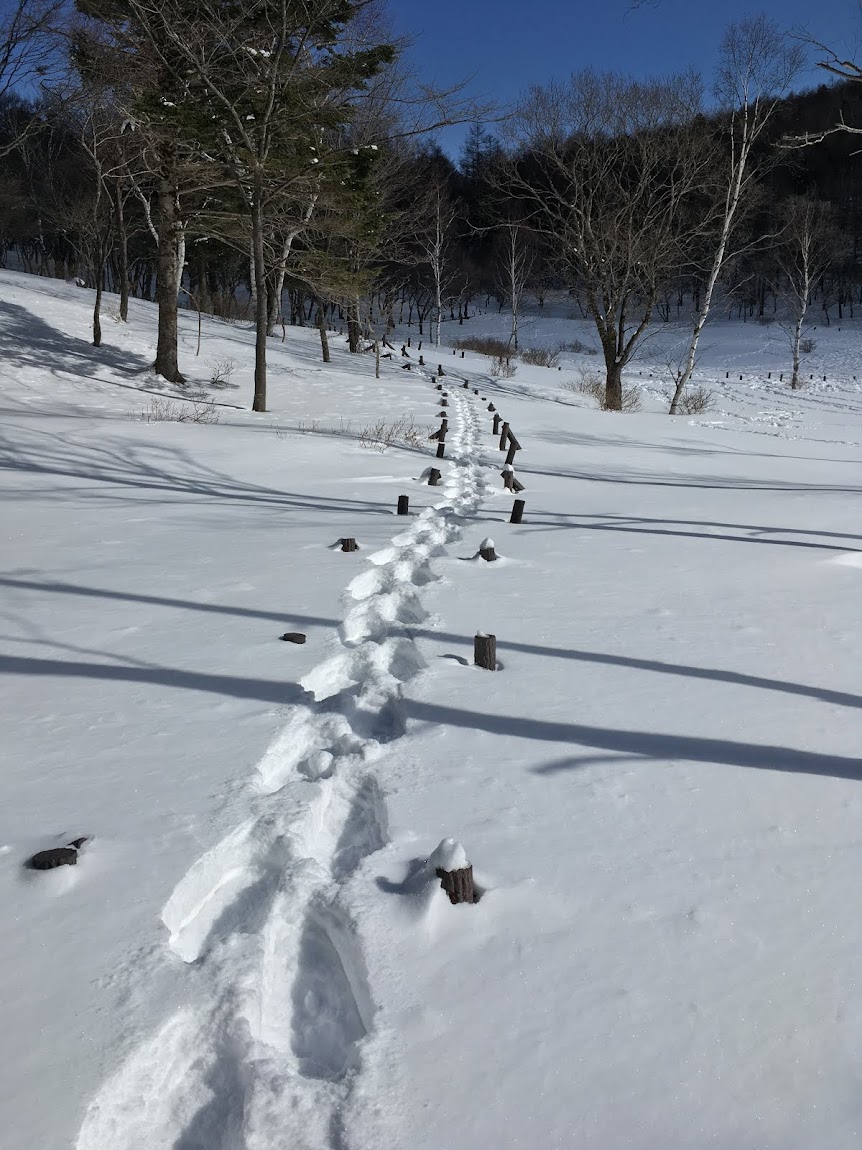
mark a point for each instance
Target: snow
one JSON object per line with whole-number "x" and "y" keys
{"x": 658, "y": 789}
{"x": 448, "y": 855}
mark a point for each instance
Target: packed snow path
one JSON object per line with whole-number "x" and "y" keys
{"x": 265, "y": 1051}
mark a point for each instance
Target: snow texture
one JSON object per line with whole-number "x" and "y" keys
{"x": 659, "y": 790}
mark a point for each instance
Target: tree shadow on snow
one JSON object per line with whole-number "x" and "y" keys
{"x": 26, "y": 341}
{"x": 643, "y": 745}
{"x": 655, "y": 666}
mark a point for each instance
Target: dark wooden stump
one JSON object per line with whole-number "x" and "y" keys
{"x": 441, "y": 449}
{"x": 403, "y": 505}
{"x": 444, "y": 402}
{"x": 485, "y": 651}
{"x": 444, "y": 426}
{"x": 466, "y": 383}
{"x": 488, "y": 554}
{"x": 406, "y": 366}
{"x": 440, "y": 370}
{"x": 439, "y": 386}
{"x": 517, "y": 511}
{"x": 462, "y": 355}
{"x": 57, "y": 856}
{"x": 458, "y": 884}
{"x": 504, "y": 435}
{"x": 434, "y": 435}
{"x": 475, "y": 390}
{"x": 508, "y": 479}
{"x": 293, "y": 637}
{"x": 517, "y": 485}
{"x": 510, "y": 454}
{"x": 491, "y": 407}
{"x": 349, "y": 545}
{"x": 421, "y": 361}
{"x": 495, "y": 430}
{"x": 434, "y": 477}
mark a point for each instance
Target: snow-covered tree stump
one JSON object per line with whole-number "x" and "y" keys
{"x": 486, "y": 550}
{"x": 485, "y": 651}
{"x": 349, "y": 545}
{"x": 451, "y": 865}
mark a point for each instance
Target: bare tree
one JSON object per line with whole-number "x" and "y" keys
{"x": 807, "y": 251}
{"x": 609, "y": 167}
{"x": 435, "y": 240}
{"x": 758, "y": 64}
{"x": 514, "y": 268}
{"x": 27, "y": 51}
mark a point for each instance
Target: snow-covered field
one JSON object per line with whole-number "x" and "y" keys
{"x": 659, "y": 789}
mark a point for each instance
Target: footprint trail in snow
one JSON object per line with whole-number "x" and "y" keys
{"x": 267, "y": 1047}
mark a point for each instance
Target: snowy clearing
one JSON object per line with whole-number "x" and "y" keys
{"x": 657, "y": 790}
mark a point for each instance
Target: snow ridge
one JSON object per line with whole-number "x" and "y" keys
{"x": 268, "y": 1045}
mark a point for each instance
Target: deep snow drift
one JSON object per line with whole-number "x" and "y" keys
{"x": 658, "y": 789}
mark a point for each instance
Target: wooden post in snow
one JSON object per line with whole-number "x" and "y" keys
{"x": 403, "y": 505}
{"x": 517, "y": 511}
{"x": 450, "y": 864}
{"x": 485, "y": 651}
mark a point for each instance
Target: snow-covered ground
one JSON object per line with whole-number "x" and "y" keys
{"x": 658, "y": 789}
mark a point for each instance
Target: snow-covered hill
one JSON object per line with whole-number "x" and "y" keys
{"x": 659, "y": 789}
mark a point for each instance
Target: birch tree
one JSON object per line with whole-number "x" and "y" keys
{"x": 435, "y": 240}
{"x": 757, "y": 67}
{"x": 514, "y": 268}
{"x": 807, "y": 252}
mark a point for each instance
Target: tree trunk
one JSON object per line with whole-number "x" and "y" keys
{"x": 797, "y": 339}
{"x": 97, "y": 308}
{"x": 122, "y": 256}
{"x": 614, "y": 387}
{"x": 321, "y": 327}
{"x": 261, "y": 308}
{"x": 168, "y": 282}
{"x": 354, "y": 330}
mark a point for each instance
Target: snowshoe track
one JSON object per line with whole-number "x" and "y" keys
{"x": 269, "y": 1044}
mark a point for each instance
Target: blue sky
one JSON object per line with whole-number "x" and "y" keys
{"x": 508, "y": 44}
